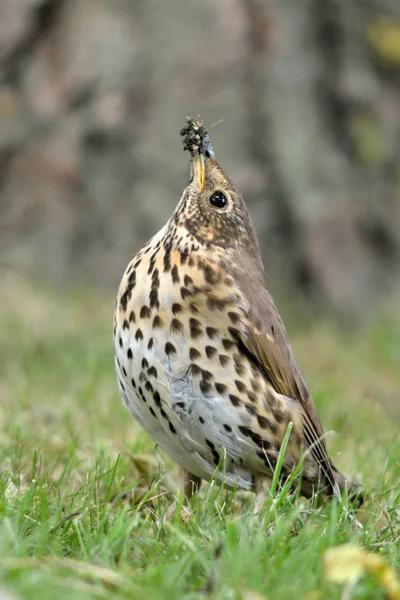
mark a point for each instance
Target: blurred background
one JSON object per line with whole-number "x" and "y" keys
{"x": 93, "y": 94}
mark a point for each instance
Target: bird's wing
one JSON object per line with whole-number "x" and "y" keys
{"x": 266, "y": 339}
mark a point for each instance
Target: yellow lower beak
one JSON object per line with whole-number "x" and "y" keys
{"x": 200, "y": 170}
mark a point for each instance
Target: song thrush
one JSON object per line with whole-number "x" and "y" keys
{"x": 202, "y": 356}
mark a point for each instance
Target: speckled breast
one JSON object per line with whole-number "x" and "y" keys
{"x": 180, "y": 370}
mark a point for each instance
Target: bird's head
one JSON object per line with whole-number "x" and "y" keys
{"x": 211, "y": 208}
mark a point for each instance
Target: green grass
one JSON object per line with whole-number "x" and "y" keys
{"x": 85, "y": 504}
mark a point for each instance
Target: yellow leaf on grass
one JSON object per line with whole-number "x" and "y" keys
{"x": 349, "y": 562}
{"x": 146, "y": 464}
{"x": 343, "y": 563}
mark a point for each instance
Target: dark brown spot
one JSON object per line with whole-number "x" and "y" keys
{"x": 239, "y": 368}
{"x": 255, "y": 385}
{"x": 122, "y": 385}
{"x": 210, "y": 444}
{"x": 228, "y": 344}
{"x": 155, "y": 280}
{"x": 169, "y": 349}
{"x": 149, "y": 387}
{"x": 157, "y": 322}
{"x": 221, "y": 388}
{"x": 163, "y": 413}
{"x": 244, "y": 430}
{"x": 176, "y": 309}
{"x": 234, "y": 399}
{"x": 223, "y": 359}
{"x": 129, "y": 354}
{"x": 211, "y": 351}
{"x": 145, "y": 312}
{"x": 194, "y": 354}
{"x": 201, "y": 263}
{"x": 152, "y": 412}
{"x": 176, "y": 326}
{"x": 184, "y": 255}
{"x": 124, "y": 371}
{"x": 150, "y": 344}
{"x": 207, "y": 375}
{"x": 167, "y": 260}
{"x": 142, "y": 376}
{"x": 201, "y": 420}
{"x": 187, "y": 281}
{"x": 153, "y": 298}
{"x": 157, "y": 399}
{"x": 216, "y": 303}
{"x": 250, "y": 409}
{"x": 120, "y": 342}
{"x": 278, "y": 415}
{"x": 227, "y": 428}
{"x": 193, "y": 308}
{"x": 265, "y": 423}
{"x": 205, "y": 387}
{"x": 195, "y": 328}
{"x": 175, "y": 274}
{"x": 152, "y": 372}
{"x": 132, "y": 318}
{"x": 234, "y": 317}
{"x": 128, "y": 291}
{"x": 210, "y": 275}
{"x": 145, "y": 364}
{"x": 138, "y": 335}
{"x": 151, "y": 265}
{"x": 240, "y": 385}
{"x": 195, "y": 369}
{"x": 235, "y": 333}
{"x": 126, "y": 324}
{"x": 251, "y": 396}
{"x": 180, "y": 404}
{"x": 185, "y": 293}
{"x": 171, "y": 427}
{"x": 256, "y": 437}
{"x": 133, "y": 383}
{"x": 211, "y": 332}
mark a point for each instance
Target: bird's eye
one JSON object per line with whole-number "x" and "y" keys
{"x": 218, "y": 199}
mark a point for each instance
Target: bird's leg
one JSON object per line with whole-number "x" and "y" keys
{"x": 191, "y": 484}
{"x": 262, "y": 487}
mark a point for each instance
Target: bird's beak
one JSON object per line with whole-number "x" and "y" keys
{"x": 199, "y": 166}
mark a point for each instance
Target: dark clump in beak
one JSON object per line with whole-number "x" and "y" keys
{"x": 198, "y": 143}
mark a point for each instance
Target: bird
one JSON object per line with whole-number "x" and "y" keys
{"x": 202, "y": 357}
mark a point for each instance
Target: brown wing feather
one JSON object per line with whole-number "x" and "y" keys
{"x": 266, "y": 339}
